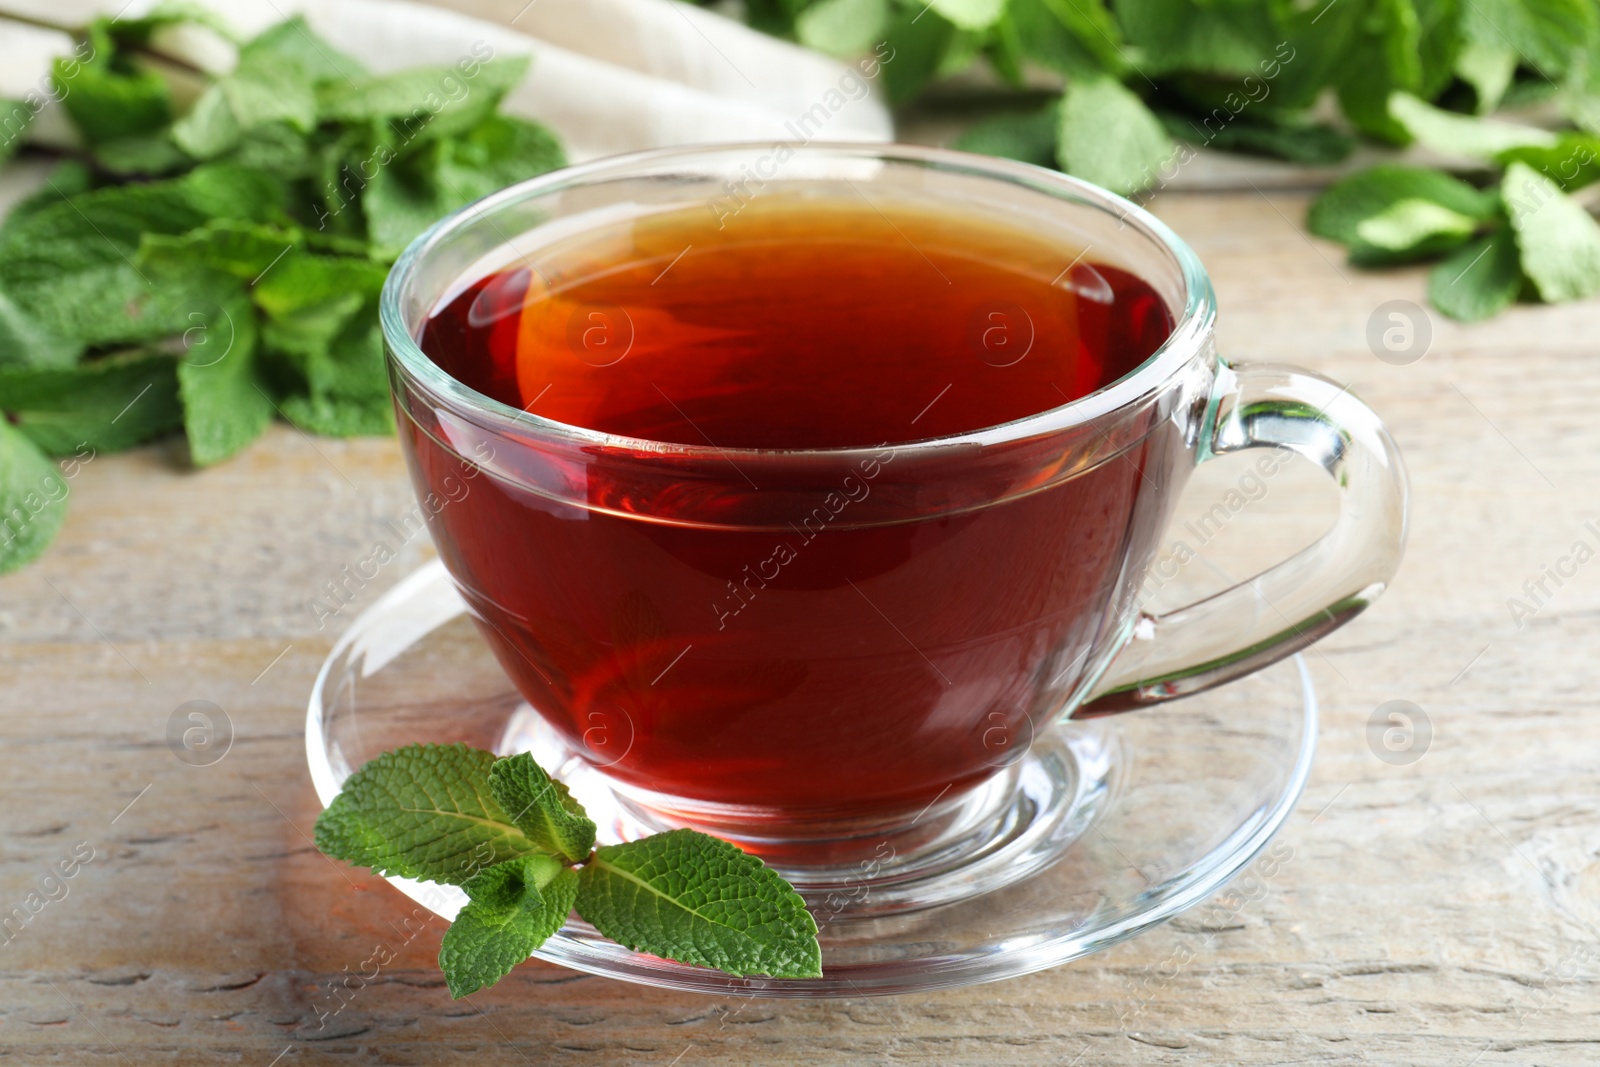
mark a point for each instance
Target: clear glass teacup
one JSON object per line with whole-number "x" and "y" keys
{"x": 852, "y": 658}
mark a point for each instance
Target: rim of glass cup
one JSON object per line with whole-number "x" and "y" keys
{"x": 1191, "y": 327}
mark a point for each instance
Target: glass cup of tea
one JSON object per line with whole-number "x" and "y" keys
{"x": 805, "y": 491}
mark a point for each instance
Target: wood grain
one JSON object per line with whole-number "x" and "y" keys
{"x": 1439, "y": 913}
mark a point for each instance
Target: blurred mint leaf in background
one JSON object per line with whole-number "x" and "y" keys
{"x": 108, "y": 404}
{"x": 225, "y": 255}
{"x": 1108, "y": 136}
{"x": 842, "y": 27}
{"x": 1480, "y": 279}
{"x": 33, "y": 499}
{"x": 1559, "y": 241}
{"x": 1030, "y": 138}
{"x": 225, "y": 403}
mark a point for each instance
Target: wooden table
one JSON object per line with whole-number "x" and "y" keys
{"x": 1439, "y": 912}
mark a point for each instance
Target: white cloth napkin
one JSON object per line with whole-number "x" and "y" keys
{"x": 607, "y": 76}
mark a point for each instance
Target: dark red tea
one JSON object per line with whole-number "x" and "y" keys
{"x": 828, "y": 669}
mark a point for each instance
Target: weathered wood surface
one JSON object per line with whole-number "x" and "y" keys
{"x": 1438, "y": 913}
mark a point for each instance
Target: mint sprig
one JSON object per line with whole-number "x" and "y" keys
{"x": 522, "y": 848}
{"x": 1124, "y": 93}
{"x": 209, "y": 266}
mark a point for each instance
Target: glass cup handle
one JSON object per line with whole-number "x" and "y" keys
{"x": 1310, "y": 594}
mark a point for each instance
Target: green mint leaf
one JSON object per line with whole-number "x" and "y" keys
{"x": 1093, "y": 27}
{"x": 309, "y": 331}
{"x": 67, "y": 178}
{"x": 1384, "y": 56}
{"x": 424, "y": 103}
{"x": 33, "y": 499}
{"x": 1572, "y": 162}
{"x": 26, "y": 342}
{"x": 337, "y": 348}
{"x": 1441, "y": 42}
{"x": 15, "y": 118}
{"x": 407, "y": 197}
{"x": 145, "y": 154}
{"x": 1559, "y": 241}
{"x": 1030, "y": 138}
{"x": 230, "y": 191}
{"x": 1463, "y": 135}
{"x": 112, "y": 97}
{"x": 70, "y": 262}
{"x": 965, "y": 47}
{"x": 513, "y": 908}
{"x": 842, "y": 27}
{"x": 244, "y": 250}
{"x": 1528, "y": 90}
{"x": 920, "y": 44}
{"x": 1205, "y": 38}
{"x": 400, "y": 202}
{"x": 423, "y": 811}
{"x": 106, "y": 404}
{"x": 210, "y": 128}
{"x": 495, "y": 153}
{"x": 1480, "y": 280}
{"x": 336, "y": 416}
{"x": 696, "y": 899}
{"x": 970, "y": 14}
{"x": 302, "y": 280}
{"x": 1488, "y": 68}
{"x": 542, "y": 807}
{"x": 1004, "y": 50}
{"x": 268, "y": 86}
{"x": 225, "y": 406}
{"x": 294, "y": 41}
{"x": 1298, "y": 142}
{"x": 274, "y": 148}
{"x": 1108, "y": 136}
{"x": 1409, "y": 229}
{"x": 1045, "y": 36}
{"x": 1343, "y": 206}
{"x": 1546, "y": 33}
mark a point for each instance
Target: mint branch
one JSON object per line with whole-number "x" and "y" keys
{"x": 522, "y": 848}
{"x": 257, "y": 222}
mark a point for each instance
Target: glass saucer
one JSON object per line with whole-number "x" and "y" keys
{"x": 1179, "y": 799}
